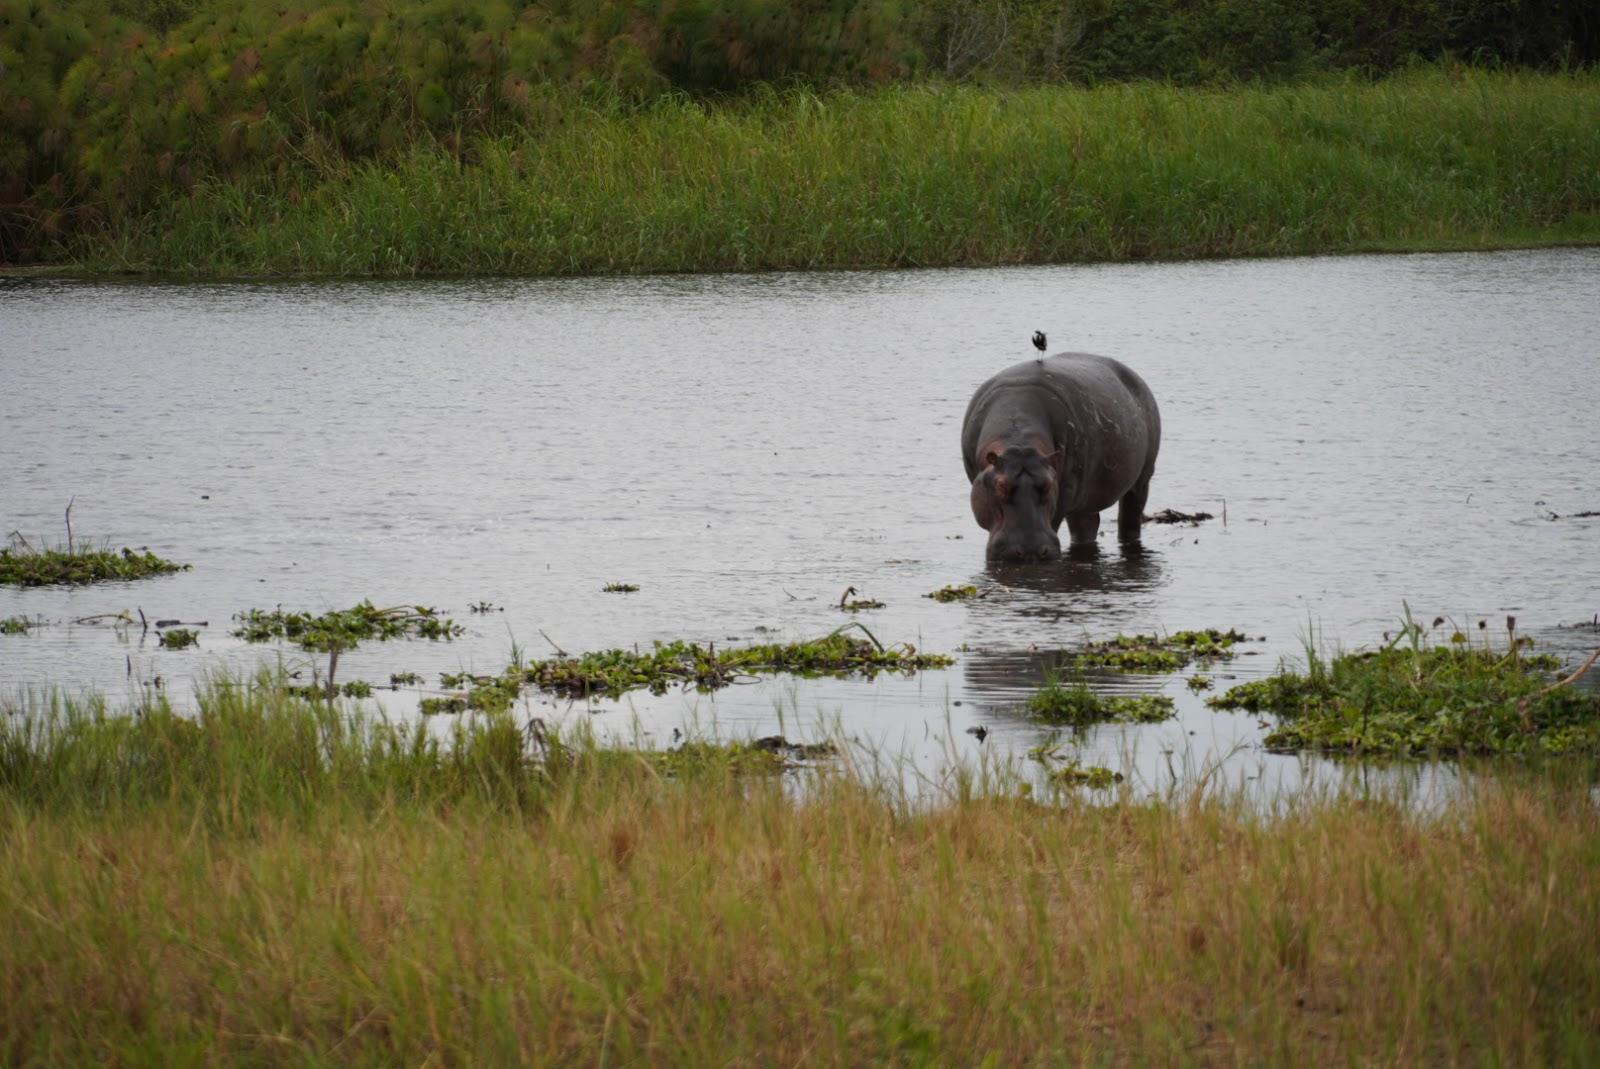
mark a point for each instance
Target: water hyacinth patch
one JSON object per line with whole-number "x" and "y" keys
{"x": 764, "y": 756}
{"x": 615, "y": 672}
{"x": 1094, "y": 777}
{"x": 179, "y": 638}
{"x": 1414, "y": 698}
{"x": 1077, "y": 705}
{"x": 953, "y": 593}
{"x": 1153, "y": 653}
{"x": 345, "y": 628}
{"x": 20, "y": 566}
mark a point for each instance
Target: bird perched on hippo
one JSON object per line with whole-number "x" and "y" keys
{"x": 1059, "y": 438}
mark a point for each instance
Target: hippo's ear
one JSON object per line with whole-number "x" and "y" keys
{"x": 991, "y": 458}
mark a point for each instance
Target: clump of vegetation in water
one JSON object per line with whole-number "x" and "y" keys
{"x": 1093, "y": 777}
{"x": 356, "y": 688}
{"x": 21, "y": 566}
{"x": 442, "y": 706}
{"x": 1074, "y": 703}
{"x": 1197, "y": 683}
{"x": 404, "y": 679}
{"x": 1413, "y": 697}
{"x": 17, "y": 625}
{"x": 179, "y": 638}
{"x": 764, "y": 756}
{"x": 345, "y": 628}
{"x": 1152, "y": 653}
{"x": 615, "y": 672}
{"x": 620, "y": 588}
{"x": 953, "y": 593}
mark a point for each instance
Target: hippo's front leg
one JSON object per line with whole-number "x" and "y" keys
{"x": 1085, "y": 526}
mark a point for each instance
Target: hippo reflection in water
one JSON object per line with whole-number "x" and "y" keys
{"x": 1055, "y": 439}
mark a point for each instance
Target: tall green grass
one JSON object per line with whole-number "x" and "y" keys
{"x": 923, "y": 176}
{"x": 271, "y": 883}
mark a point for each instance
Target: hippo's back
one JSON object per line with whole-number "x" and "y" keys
{"x": 1076, "y": 393}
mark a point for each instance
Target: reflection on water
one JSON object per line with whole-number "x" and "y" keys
{"x": 1087, "y": 592}
{"x": 1381, "y": 432}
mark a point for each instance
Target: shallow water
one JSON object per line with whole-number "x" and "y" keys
{"x": 1381, "y": 431}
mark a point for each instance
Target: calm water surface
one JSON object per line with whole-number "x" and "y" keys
{"x": 1382, "y": 430}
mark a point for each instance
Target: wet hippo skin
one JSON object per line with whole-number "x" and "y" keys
{"x": 1059, "y": 438}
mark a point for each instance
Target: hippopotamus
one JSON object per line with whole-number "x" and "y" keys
{"x": 1059, "y": 438}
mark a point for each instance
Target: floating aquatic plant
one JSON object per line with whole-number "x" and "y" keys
{"x": 1093, "y": 777}
{"x": 21, "y": 566}
{"x": 1076, "y": 704}
{"x": 763, "y": 756}
{"x": 953, "y": 593}
{"x": 345, "y": 628}
{"x": 620, "y": 588}
{"x": 1152, "y": 653}
{"x": 438, "y": 706}
{"x": 356, "y": 688}
{"x": 1411, "y": 697}
{"x": 179, "y": 638}
{"x": 17, "y": 625}
{"x": 615, "y": 672}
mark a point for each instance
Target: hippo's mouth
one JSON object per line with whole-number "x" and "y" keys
{"x": 1031, "y": 551}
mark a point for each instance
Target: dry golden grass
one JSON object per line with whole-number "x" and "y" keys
{"x": 711, "y": 920}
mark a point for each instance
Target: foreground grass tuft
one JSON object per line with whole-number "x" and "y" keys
{"x": 51, "y": 567}
{"x": 277, "y": 882}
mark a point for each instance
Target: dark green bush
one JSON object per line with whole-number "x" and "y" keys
{"x": 106, "y": 106}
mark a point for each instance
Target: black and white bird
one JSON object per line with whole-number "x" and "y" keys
{"x": 1039, "y": 343}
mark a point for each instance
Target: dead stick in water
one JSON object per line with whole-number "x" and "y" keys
{"x": 559, "y": 651}
{"x": 69, "y": 522}
{"x": 1522, "y": 705}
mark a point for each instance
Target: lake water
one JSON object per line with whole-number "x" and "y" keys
{"x": 1381, "y": 431}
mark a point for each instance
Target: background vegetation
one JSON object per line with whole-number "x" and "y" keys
{"x": 928, "y": 175}
{"x": 107, "y": 107}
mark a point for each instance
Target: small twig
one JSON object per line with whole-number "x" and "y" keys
{"x": 1224, "y": 512}
{"x": 559, "y": 651}
{"x": 1524, "y": 703}
{"x": 21, "y": 541}
{"x": 1574, "y": 677}
{"x": 122, "y": 616}
{"x": 69, "y": 522}
{"x": 144, "y": 625}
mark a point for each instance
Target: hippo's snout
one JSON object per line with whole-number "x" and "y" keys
{"x": 1024, "y": 551}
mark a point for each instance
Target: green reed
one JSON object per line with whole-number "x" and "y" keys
{"x": 924, "y": 176}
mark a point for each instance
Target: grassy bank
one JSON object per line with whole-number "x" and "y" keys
{"x": 272, "y": 884}
{"x": 925, "y": 176}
